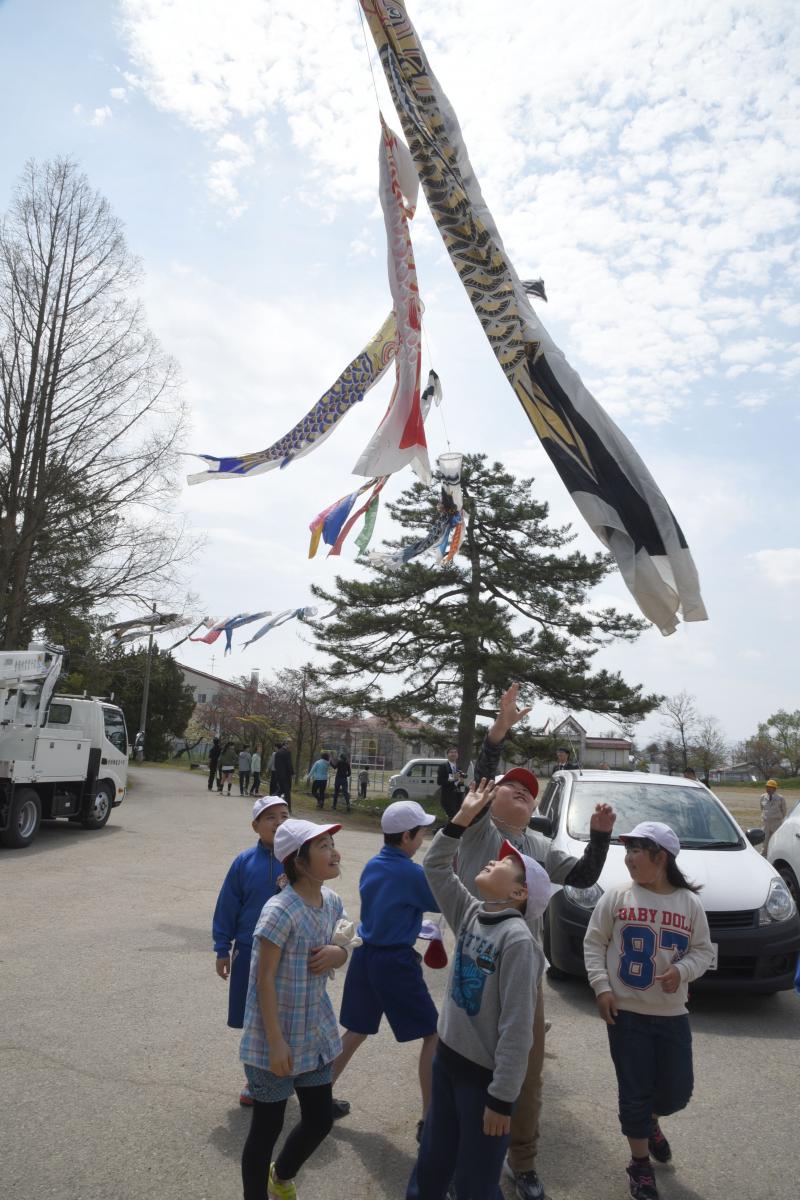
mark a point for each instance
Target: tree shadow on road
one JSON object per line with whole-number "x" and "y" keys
{"x": 62, "y": 835}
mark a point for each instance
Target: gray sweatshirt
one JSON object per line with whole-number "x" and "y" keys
{"x": 483, "y": 839}
{"x": 486, "y": 1021}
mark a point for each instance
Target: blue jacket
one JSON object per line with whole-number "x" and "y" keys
{"x": 250, "y": 882}
{"x": 319, "y": 770}
{"x": 394, "y": 896}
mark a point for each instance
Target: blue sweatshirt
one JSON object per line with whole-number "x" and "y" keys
{"x": 394, "y": 896}
{"x": 250, "y": 882}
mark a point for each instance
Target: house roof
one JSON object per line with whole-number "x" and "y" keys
{"x": 607, "y": 743}
{"x": 214, "y": 678}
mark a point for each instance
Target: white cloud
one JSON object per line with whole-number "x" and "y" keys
{"x": 118, "y": 93}
{"x": 101, "y": 115}
{"x": 754, "y": 401}
{"x": 778, "y": 567}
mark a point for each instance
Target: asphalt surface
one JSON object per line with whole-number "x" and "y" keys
{"x": 119, "y": 1078}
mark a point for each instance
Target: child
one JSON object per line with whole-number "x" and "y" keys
{"x": 290, "y": 1035}
{"x": 318, "y": 774}
{"x": 486, "y": 1023}
{"x": 227, "y": 764}
{"x": 646, "y": 941}
{"x": 363, "y": 783}
{"x": 252, "y": 879}
{"x": 384, "y": 976}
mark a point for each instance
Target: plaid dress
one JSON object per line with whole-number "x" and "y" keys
{"x": 305, "y": 1012}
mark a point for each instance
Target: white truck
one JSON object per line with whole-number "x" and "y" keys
{"x": 60, "y": 756}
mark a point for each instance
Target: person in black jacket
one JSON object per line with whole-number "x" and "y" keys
{"x": 213, "y": 759}
{"x": 450, "y": 780}
{"x": 284, "y": 773}
{"x": 341, "y": 781}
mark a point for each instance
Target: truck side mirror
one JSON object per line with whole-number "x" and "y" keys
{"x": 541, "y": 825}
{"x": 755, "y": 836}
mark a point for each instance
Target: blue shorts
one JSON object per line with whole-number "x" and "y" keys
{"x": 387, "y": 980}
{"x": 237, "y": 984}
{"x": 267, "y": 1088}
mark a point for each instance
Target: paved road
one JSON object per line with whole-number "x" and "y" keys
{"x": 120, "y": 1079}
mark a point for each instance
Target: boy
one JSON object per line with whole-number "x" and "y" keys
{"x": 255, "y": 771}
{"x": 384, "y": 976}
{"x": 318, "y": 774}
{"x": 486, "y": 1023}
{"x": 251, "y": 880}
{"x": 508, "y": 815}
{"x": 363, "y": 783}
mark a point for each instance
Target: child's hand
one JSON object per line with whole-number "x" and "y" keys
{"x": 280, "y": 1058}
{"x": 475, "y": 801}
{"x": 326, "y": 958}
{"x": 495, "y": 1124}
{"x": 607, "y": 1007}
{"x": 671, "y": 979}
{"x": 509, "y": 714}
{"x": 603, "y": 818}
{"x": 224, "y": 966}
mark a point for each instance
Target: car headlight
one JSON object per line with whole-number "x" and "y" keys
{"x": 779, "y": 905}
{"x": 584, "y": 897}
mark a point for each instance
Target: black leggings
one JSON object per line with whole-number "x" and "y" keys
{"x": 316, "y": 1118}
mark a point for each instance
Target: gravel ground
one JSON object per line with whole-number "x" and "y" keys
{"x": 120, "y": 1078}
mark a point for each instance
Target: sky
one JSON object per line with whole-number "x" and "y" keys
{"x": 643, "y": 159}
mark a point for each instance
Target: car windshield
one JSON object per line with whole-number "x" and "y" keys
{"x": 696, "y": 817}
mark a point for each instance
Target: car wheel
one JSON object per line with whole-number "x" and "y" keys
{"x": 790, "y": 879}
{"x": 25, "y": 819}
{"x": 552, "y": 971}
{"x": 100, "y": 807}
{"x": 399, "y": 794}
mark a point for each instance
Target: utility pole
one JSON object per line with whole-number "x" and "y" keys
{"x": 146, "y": 689}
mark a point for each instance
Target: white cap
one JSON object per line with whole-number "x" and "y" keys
{"x": 655, "y": 831}
{"x": 266, "y": 802}
{"x": 404, "y": 815}
{"x": 537, "y": 881}
{"x": 293, "y": 834}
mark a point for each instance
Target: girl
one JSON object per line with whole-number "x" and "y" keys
{"x": 290, "y": 1032}
{"x": 646, "y": 941}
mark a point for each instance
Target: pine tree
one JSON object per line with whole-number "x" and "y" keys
{"x": 441, "y": 642}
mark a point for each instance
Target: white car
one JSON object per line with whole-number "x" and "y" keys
{"x": 417, "y": 780}
{"x": 751, "y": 913}
{"x": 784, "y": 852}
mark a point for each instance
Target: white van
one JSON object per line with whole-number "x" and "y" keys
{"x": 417, "y": 780}
{"x": 751, "y": 914}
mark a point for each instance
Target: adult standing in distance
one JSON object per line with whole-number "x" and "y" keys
{"x": 507, "y": 819}
{"x": 448, "y": 778}
{"x": 213, "y": 759}
{"x": 283, "y": 771}
{"x": 564, "y": 759}
{"x": 773, "y": 811}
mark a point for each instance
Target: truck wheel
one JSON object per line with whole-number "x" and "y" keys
{"x": 26, "y": 816}
{"x": 100, "y": 808}
{"x": 399, "y": 794}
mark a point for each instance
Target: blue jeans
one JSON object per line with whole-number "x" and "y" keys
{"x": 454, "y": 1147}
{"x": 653, "y": 1060}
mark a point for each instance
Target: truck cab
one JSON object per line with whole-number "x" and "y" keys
{"x": 60, "y": 756}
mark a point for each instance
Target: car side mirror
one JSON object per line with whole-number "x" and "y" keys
{"x": 755, "y": 836}
{"x": 541, "y": 825}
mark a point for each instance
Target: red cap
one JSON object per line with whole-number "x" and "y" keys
{"x": 524, "y": 776}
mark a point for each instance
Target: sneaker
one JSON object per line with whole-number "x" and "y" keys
{"x": 341, "y": 1108}
{"x": 245, "y": 1099}
{"x": 528, "y": 1185}
{"x": 642, "y": 1181}
{"x": 420, "y": 1125}
{"x": 280, "y": 1190}
{"x": 658, "y": 1145}
{"x": 548, "y": 1025}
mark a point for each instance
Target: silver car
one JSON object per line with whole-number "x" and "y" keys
{"x": 417, "y": 780}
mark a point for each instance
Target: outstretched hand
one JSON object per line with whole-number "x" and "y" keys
{"x": 475, "y": 800}
{"x": 603, "y": 818}
{"x": 508, "y": 713}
